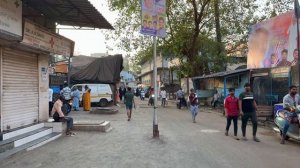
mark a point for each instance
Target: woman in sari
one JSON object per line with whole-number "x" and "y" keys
{"x": 86, "y": 98}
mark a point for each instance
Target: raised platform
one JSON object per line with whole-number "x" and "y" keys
{"x": 103, "y": 126}
{"x": 104, "y": 110}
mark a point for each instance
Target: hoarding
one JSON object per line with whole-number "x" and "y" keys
{"x": 273, "y": 43}
{"x": 153, "y": 17}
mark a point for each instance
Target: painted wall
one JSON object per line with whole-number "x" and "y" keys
{"x": 43, "y": 87}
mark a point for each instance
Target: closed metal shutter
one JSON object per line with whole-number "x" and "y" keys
{"x": 20, "y": 89}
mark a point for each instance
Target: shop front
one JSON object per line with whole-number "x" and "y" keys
{"x": 270, "y": 85}
{"x": 24, "y": 54}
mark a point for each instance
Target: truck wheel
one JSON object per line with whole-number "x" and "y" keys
{"x": 103, "y": 103}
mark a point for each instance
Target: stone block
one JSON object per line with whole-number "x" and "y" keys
{"x": 57, "y": 126}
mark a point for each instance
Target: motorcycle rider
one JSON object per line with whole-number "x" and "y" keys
{"x": 142, "y": 95}
{"x": 151, "y": 97}
{"x": 180, "y": 97}
{"x": 290, "y": 103}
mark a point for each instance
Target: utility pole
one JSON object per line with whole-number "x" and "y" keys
{"x": 155, "y": 122}
{"x": 297, "y": 16}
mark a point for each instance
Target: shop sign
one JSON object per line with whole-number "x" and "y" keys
{"x": 40, "y": 38}
{"x": 11, "y": 17}
{"x": 280, "y": 72}
{"x": 260, "y": 74}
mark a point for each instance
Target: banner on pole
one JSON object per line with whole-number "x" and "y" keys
{"x": 273, "y": 43}
{"x": 153, "y": 18}
{"x": 297, "y": 9}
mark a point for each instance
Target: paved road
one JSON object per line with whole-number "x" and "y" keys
{"x": 182, "y": 144}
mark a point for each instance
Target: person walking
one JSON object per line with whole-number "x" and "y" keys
{"x": 248, "y": 108}
{"x": 231, "y": 107}
{"x": 120, "y": 93}
{"x": 86, "y": 98}
{"x": 194, "y": 104}
{"x": 163, "y": 95}
{"x": 76, "y": 98}
{"x": 129, "y": 102}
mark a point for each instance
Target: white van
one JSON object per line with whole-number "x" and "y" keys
{"x": 100, "y": 93}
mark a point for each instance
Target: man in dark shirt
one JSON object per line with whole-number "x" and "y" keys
{"x": 129, "y": 102}
{"x": 194, "y": 104}
{"x": 284, "y": 61}
{"x": 248, "y": 107}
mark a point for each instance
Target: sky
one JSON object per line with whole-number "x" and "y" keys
{"x": 92, "y": 41}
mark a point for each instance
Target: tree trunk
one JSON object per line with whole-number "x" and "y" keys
{"x": 217, "y": 24}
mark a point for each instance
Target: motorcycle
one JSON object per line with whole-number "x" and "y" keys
{"x": 142, "y": 95}
{"x": 294, "y": 129}
{"x": 151, "y": 100}
{"x": 181, "y": 103}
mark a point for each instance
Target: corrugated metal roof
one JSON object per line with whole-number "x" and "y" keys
{"x": 70, "y": 12}
{"x": 221, "y": 74}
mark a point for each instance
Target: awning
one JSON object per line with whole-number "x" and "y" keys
{"x": 221, "y": 74}
{"x": 70, "y": 12}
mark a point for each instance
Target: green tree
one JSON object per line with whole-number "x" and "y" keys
{"x": 201, "y": 33}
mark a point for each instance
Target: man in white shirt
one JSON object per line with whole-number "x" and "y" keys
{"x": 66, "y": 92}
{"x": 50, "y": 94}
{"x": 163, "y": 95}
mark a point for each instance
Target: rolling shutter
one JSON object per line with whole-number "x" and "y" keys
{"x": 20, "y": 88}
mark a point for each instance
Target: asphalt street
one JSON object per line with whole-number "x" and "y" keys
{"x": 182, "y": 144}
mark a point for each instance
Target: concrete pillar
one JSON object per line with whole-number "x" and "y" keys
{"x": 43, "y": 87}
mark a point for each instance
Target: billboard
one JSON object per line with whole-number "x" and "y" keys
{"x": 153, "y": 18}
{"x": 273, "y": 43}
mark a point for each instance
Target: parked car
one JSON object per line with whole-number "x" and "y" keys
{"x": 100, "y": 93}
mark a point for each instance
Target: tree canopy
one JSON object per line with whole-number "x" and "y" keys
{"x": 201, "y": 33}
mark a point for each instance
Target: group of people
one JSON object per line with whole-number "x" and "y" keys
{"x": 244, "y": 106}
{"x": 66, "y": 95}
{"x": 284, "y": 61}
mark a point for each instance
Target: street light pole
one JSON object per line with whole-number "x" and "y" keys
{"x": 298, "y": 48}
{"x": 297, "y": 16}
{"x": 155, "y": 122}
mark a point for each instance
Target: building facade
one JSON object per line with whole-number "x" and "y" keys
{"x": 27, "y": 40}
{"x": 165, "y": 75}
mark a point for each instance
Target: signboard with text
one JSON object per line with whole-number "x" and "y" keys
{"x": 38, "y": 37}
{"x": 153, "y": 17}
{"x": 11, "y": 18}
